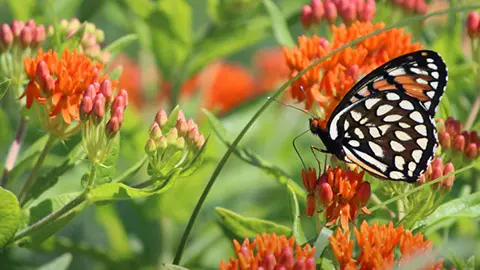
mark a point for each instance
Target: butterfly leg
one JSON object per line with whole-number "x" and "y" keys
{"x": 312, "y": 148}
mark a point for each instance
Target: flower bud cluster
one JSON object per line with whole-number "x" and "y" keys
{"x": 90, "y": 41}
{"x": 436, "y": 170}
{"x": 98, "y": 102}
{"x": 174, "y": 141}
{"x": 348, "y": 10}
{"x": 452, "y": 137}
{"x": 473, "y": 24}
{"x": 340, "y": 192}
{"x": 24, "y": 34}
{"x": 412, "y": 6}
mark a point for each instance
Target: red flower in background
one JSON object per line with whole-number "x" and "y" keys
{"x": 271, "y": 69}
{"x": 130, "y": 79}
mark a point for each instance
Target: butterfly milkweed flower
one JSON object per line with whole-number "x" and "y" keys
{"x": 453, "y": 139}
{"x": 269, "y": 251}
{"x": 342, "y": 193}
{"x": 326, "y": 83}
{"x": 377, "y": 245}
{"x": 56, "y": 86}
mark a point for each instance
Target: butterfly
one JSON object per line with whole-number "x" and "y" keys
{"x": 385, "y": 122}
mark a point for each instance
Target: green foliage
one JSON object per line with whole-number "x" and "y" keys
{"x": 9, "y": 215}
{"x": 60, "y": 263}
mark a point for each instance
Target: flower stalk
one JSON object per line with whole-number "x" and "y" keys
{"x": 13, "y": 151}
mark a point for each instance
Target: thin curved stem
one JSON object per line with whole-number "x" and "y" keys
{"x": 473, "y": 113}
{"x": 13, "y": 151}
{"x": 218, "y": 169}
{"x": 33, "y": 174}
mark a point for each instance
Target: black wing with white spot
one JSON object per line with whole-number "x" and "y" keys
{"x": 388, "y": 134}
{"x": 421, "y": 74}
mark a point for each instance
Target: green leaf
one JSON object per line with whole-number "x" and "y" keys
{"x": 197, "y": 161}
{"x": 464, "y": 207}
{"x": 120, "y": 44}
{"x": 252, "y": 158}
{"x": 22, "y": 10}
{"x": 59, "y": 263}
{"x": 172, "y": 119}
{"x": 116, "y": 73}
{"x": 171, "y": 35}
{"x": 9, "y": 216}
{"x": 27, "y": 158}
{"x": 108, "y": 217}
{"x": 142, "y": 8}
{"x": 130, "y": 172}
{"x": 49, "y": 179}
{"x": 167, "y": 266}
{"x": 119, "y": 191}
{"x": 4, "y": 87}
{"x": 106, "y": 171}
{"x": 280, "y": 27}
{"x": 240, "y": 227}
{"x": 45, "y": 208}
{"x": 322, "y": 241}
{"x": 297, "y": 227}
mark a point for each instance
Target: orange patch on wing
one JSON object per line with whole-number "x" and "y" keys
{"x": 416, "y": 91}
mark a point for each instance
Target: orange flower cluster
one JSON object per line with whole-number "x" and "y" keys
{"x": 270, "y": 251}
{"x": 340, "y": 192}
{"x": 58, "y": 83}
{"x": 329, "y": 81}
{"x": 377, "y": 244}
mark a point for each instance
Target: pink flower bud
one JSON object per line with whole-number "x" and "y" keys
{"x": 118, "y": 102}
{"x": 181, "y": 115}
{"x": 119, "y": 114}
{"x": 200, "y": 140}
{"x": 85, "y": 107}
{"x": 124, "y": 93}
{"x": 363, "y": 194}
{"x": 150, "y": 147}
{"x": 310, "y": 264}
{"x": 31, "y": 23}
{"x": 191, "y": 124}
{"x": 353, "y": 71}
{"x": 286, "y": 257}
{"x": 192, "y": 135}
{"x": 306, "y": 16}
{"x": 368, "y": 11}
{"x": 448, "y": 182}
{"x": 317, "y": 11}
{"x": 311, "y": 204}
{"x": 437, "y": 163}
{"x": 106, "y": 90}
{"x": 42, "y": 70}
{"x": 471, "y": 151}
{"x": 421, "y": 179}
{"x": 162, "y": 143}
{"x": 299, "y": 264}
{"x": 325, "y": 193}
{"x": 90, "y": 91}
{"x": 182, "y": 127}
{"x": 39, "y": 35}
{"x": 410, "y": 5}
{"x": 161, "y": 118}
{"x": 458, "y": 143}
{"x": 155, "y": 132}
{"x": 445, "y": 140}
{"x": 17, "y": 27}
{"x": 99, "y": 106}
{"x": 113, "y": 126}
{"x": 473, "y": 21}
{"x": 6, "y": 36}
{"x": 323, "y": 43}
{"x": 348, "y": 13}
{"x": 330, "y": 11}
{"x": 26, "y": 36}
{"x": 421, "y": 7}
{"x": 436, "y": 173}
{"x": 269, "y": 261}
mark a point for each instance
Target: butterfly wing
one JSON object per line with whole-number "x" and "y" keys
{"x": 421, "y": 74}
{"x": 389, "y": 134}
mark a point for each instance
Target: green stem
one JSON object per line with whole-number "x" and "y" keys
{"x": 33, "y": 174}
{"x": 61, "y": 211}
{"x": 13, "y": 151}
{"x": 401, "y": 209}
{"x": 218, "y": 169}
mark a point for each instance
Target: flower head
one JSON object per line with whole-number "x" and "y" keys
{"x": 452, "y": 136}
{"x": 377, "y": 245}
{"x": 326, "y": 83}
{"x": 436, "y": 170}
{"x": 270, "y": 251}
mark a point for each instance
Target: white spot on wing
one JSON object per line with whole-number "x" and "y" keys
{"x": 406, "y": 105}
{"x": 416, "y": 116}
{"x": 392, "y": 96}
{"x": 432, "y": 66}
{"x": 417, "y": 155}
{"x": 403, "y": 125}
{"x": 427, "y": 104}
{"x": 434, "y": 84}
{"x": 374, "y": 132}
{"x": 376, "y": 149}
{"x": 431, "y": 94}
{"x": 354, "y": 143}
{"x": 396, "y": 72}
{"x": 396, "y": 175}
{"x": 399, "y": 162}
{"x": 355, "y": 115}
{"x": 419, "y": 71}
{"x": 383, "y": 109}
{"x": 412, "y": 166}
{"x": 384, "y": 128}
{"x": 396, "y": 146}
{"x": 371, "y": 160}
{"x": 421, "y": 81}
{"x": 363, "y": 121}
{"x": 402, "y": 136}
{"x": 422, "y": 142}
{"x": 435, "y": 75}
{"x": 359, "y": 133}
{"x": 430, "y": 60}
{"x": 392, "y": 118}
{"x": 346, "y": 125}
{"x": 422, "y": 129}
{"x": 369, "y": 103}
{"x": 362, "y": 164}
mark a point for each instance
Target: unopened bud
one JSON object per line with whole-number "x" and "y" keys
{"x": 6, "y": 36}
{"x": 473, "y": 22}
{"x": 161, "y": 118}
{"x": 150, "y": 147}
{"x": 286, "y": 257}
{"x": 31, "y": 23}
{"x": 349, "y": 13}
{"x": 162, "y": 143}
{"x": 363, "y": 194}
{"x": 106, "y": 90}
{"x": 155, "y": 132}
{"x": 99, "y": 35}
{"x": 436, "y": 173}
{"x": 458, "y": 143}
{"x": 180, "y": 143}
{"x": 306, "y": 16}
{"x": 39, "y": 35}
{"x": 182, "y": 127}
{"x": 17, "y": 27}
{"x": 172, "y": 135}
{"x": 124, "y": 94}
{"x": 192, "y": 135}
{"x": 437, "y": 163}
{"x": 191, "y": 124}
{"x": 200, "y": 141}
{"x": 118, "y": 102}
{"x": 421, "y": 7}
{"x": 330, "y": 11}
{"x": 368, "y": 11}
{"x": 448, "y": 182}
{"x": 299, "y": 264}
{"x": 445, "y": 140}
{"x": 311, "y": 204}
{"x": 325, "y": 193}
{"x": 181, "y": 115}
{"x": 310, "y": 264}
{"x": 99, "y": 106}
{"x": 26, "y": 37}
{"x": 113, "y": 126}
{"x": 317, "y": 11}
{"x": 269, "y": 261}
{"x": 85, "y": 107}
{"x": 471, "y": 151}
{"x": 90, "y": 91}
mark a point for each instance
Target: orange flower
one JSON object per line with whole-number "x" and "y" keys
{"x": 71, "y": 74}
{"x": 271, "y": 67}
{"x": 341, "y": 192}
{"x": 327, "y": 82}
{"x": 377, "y": 247}
{"x": 270, "y": 251}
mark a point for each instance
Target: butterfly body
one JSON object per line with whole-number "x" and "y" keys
{"x": 385, "y": 123}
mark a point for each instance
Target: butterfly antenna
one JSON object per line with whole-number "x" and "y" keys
{"x": 290, "y": 106}
{"x": 308, "y": 101}
{"x": 296, "y": 149}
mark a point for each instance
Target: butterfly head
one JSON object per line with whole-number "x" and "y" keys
{"x": 315, "y": 126}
